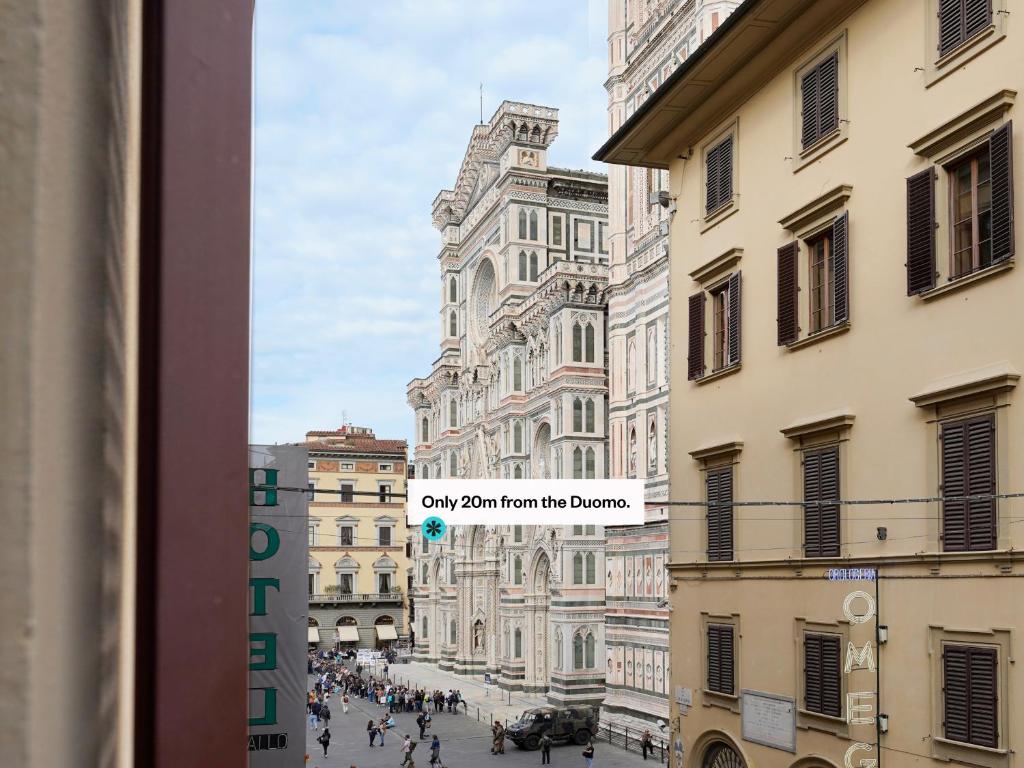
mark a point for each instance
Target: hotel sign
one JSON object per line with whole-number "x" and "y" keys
{"x": 278, "y": 608}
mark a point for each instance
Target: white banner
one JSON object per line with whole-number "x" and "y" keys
{"x": 527, "y": 502}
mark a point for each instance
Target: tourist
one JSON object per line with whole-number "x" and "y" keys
{"x": 545, "y": 749}
{"x": 435, "y": 753}
{"x": 371, "y": 729}
{"x": 588, "y": 754}
{"x": 646, "y": 743}
{"x": 325, "y": 739}
{"x": 407, "y": 748}
{"x": 344, "y": 703}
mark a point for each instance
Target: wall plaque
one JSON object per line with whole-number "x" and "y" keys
{"x": 769, "y": 719}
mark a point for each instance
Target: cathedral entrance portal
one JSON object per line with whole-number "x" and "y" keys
{"x": 537, "y": 605}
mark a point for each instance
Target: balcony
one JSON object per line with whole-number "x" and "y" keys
{"x": 356, "y": 597}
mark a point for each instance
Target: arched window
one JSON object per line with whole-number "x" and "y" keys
{"x": 589, "y": 424}
{"x": 577, "y": 415}
{"x": 453, "y": 324}
{"x": 577, "y": 568}
{"x": 453, "y": 291}
{"x": 652, "y": 356}
{"x": 591, "y": 563}
{"x": 451, "y": 571}
{"x": 517, "y": 437}
{"x": 577, "y": 464}
{"x": 453, "y": 464}
{"x": 577, "y": 651}
{"x": 533, "y": 225}
{"x": 652, "y": 445}
{"x": 523, "y": 274}
{"x": 426, "y": 625}
{"x": 632, "y": 451}
{"x": 590, "y": 343}
{"x": 425, "y": 430}
{"x": 454, "y": 632}
{"x": 425, "y": 472}
{"x": 517, "y": 570}
{"x": 453, "y": 413}
{"x": 518, "y": 643}
{"x": 631, "y": 366}
{"x": 533, "y": 266}
{"x": 423, "y": 580}
{"x": 588, "y": 651}
{"x": 558, "y": 344}
{"x": 591, "y": 469}
{"x": 522, "y": 224}
{"x": 517, "y": 375}
{"x": 558, "y": 649}
{"x": 517, "y": 534}
{"x": 577, "y": 343}
{"x": 517, "y": 472}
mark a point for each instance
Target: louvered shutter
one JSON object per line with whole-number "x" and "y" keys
{"x": 983, "y": 698}
{"x": 714, "y": 658}
{"x": 720, "y": 658}
{"x": 734, "y": 319}
{"x": 725, "y": 172}
{"x": 921, "y": 232}
{"x": 977, "y": 16}
{"x": 831, "y": 680}
{"x": 696, "y": 340}
{"x": 981, "y": 479}
{"x": 950, "y": 25}
{"x": 809, "y": 104}
{"x": 719, "y": 516}
{"x": 711, "y": 182}
{"x": 828, "y": 95}
{"x": 812, "y": 511}
{"x": 829, "y": 490}
{"x": 954, "y": 484}
{"x": 956, "y": 692}
{"x": 841, "y": 269}
{"x": 1000, "y": 148}
{"x": 727, "y": 660}
{"x": 787, "y": 282}
{"x": 812, "y": 673}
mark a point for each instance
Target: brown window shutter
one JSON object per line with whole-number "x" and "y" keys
{"x": 787, "y": 320}
{"x": 812, "y": 673}
{"x": 968, "y": 469}
{"x": 714, "y": 658}
{"x": 696, "y": 348}
{"x": 841, "y": 269}
{"x": 951, "y": 31}
{"x": 956, "y": 692}
{"x": 720, "y": 658}
{"x": 725, "y": 172}
{"x": 828, "y": 95}
{"x": 728, "y": 672}
{"x": 719, "y": 515}
{"x": 734, "y": 319}
{"x": 977, "y": 16}
{"x": 1000, "y": 148}
{"x": 921, "y": 232}
{"x": 810, "y": 106}
{"x": 812, "y": 511}
{"x": 711, "y": 183}
{"x": 831, "y": 677}
{"x": 821, "y": 521}
{"x": 983, "y": 697}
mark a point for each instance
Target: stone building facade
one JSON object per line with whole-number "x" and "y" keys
{"x": 646, "y": 42}
{"x": 519, "y": 391}
{"x": 358, "y": 566}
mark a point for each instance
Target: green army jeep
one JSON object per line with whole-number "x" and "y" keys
{"x": 561, "y": 724}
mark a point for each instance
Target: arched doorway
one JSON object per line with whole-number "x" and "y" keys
{"x": 541, "y": 457}
{"x": 537, "y": 602}
{"x": 722, "y": 755}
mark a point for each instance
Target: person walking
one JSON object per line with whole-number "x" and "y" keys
{"x": 646, "y": 743}
{"x": 435, "y": 753}
{"x": 498, "y": 744}
{"x": 344, "y": 704}
{"x": 371, "y": 730}
{"x": 407, "y": 748}
{"x": 545, "y": 749}
{"x": 422, "y": 723}
{"x": 588, "y": 754}
{"x": 325, "y": 739}
{"x": 315, "y": 709}
{"x": 325, "y": 715}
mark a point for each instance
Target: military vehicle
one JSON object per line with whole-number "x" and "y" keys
{"x": 562, "y": 724}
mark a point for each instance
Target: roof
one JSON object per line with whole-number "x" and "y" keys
{"x": 357, "y": 446}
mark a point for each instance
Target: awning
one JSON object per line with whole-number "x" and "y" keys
{"x": 313, "y": 636}
{"x": 386, "y": 632}
{"x": 348, "y": 634}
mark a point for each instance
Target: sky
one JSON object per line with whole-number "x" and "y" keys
{"x": 363, "y": 112}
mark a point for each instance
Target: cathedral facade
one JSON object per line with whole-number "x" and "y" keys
{"x": 519, "y": 390}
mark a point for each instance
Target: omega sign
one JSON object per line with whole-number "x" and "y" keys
{"x": 861, "y": 705}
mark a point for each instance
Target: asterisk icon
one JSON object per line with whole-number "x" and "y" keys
{"x": 433, "y": 528}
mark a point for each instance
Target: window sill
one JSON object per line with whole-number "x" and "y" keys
{"x": 963, "y": 282}
{"x": 817, "y": 336}
{"x": 724, "y": 700}
{"x": 716, "y": 217}
{"x": 721, "y": 373}
{"x": 967, "y": 50}
{"x": 995, "y": 751}
{"x": 816, "y": 721}
{"x": 820, "y": 148}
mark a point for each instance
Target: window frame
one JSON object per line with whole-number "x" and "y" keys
{"x": 951, "y": 169}
{"x": 935, "y": 64}
{"x": 803, "y": 156}
{"x": 724, "y": 208}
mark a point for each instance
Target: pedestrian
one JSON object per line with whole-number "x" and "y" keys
{"x": 371, "y": 729}
{"x": 646, "y": 743}
{"x": 315, "y": 710}
{"x": 312, "y": 715}
{"x": 382, "y": 727}
{"x": 588, "y": 754}
{"x": 325, "y": 739}
{"x": 325, "y": 715}
{"x": 498, "y": 744}
{"x": 407, "y": 748}
{"x": 435, "y": 753}
{"x": 344, "y": 704}
{"x": 545, "y": 749}
{"x": 422, "y": 723}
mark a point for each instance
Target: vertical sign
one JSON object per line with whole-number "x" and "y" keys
{"x": 278, "y": 607}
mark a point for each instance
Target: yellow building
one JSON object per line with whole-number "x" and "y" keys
{"x": 850, "y": 164}
{"x": 358, "y": 564}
